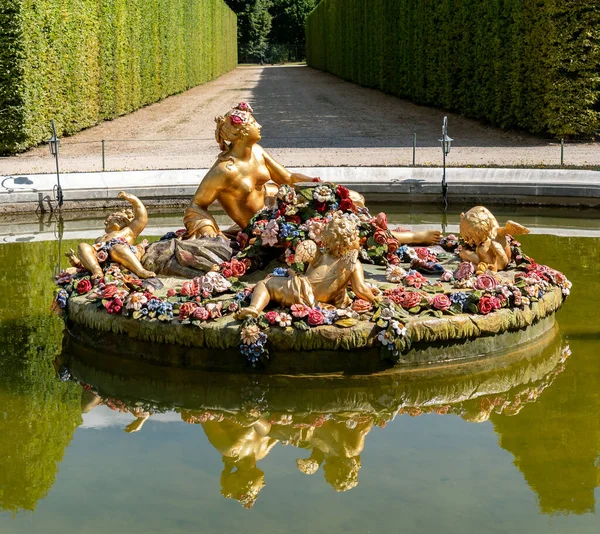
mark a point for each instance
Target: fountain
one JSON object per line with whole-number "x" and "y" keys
{"x": 306, "y": 281}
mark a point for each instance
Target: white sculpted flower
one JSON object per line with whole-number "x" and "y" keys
{"x": 269, "y": 233}
{"x": 323, "y": 193}
{"x": 213, "y": 281}
{"x": 395, "y": 273}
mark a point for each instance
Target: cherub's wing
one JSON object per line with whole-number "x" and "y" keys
{"x": 513, "y": 228}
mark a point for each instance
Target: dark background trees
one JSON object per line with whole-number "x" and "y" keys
{"x": 262, "y": 23}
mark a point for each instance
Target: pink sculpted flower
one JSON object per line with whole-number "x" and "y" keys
{"x": 315, "y": 317}
{"x": 380, "y": 237}
{"x": 381, "y": 221}
{"x": 244, "y": 106}
{"x": 410, "y": 299}
{"x": 272, "y": 317}
{"x": 171, "y": 292}
{"x": 200, "y": 313}
{"x": 236, "y": 120}
{"x": 485, "y": 282}
{"x": 446, "y": 276}
{"x": 362, "y": 306}
{"x": 300, "y": 310}
{"x": 441, "y": 302}
{"x": 465, "y": 270}
{"x": 416, "y": 280}
{"x": 425, "y": 254}
{"x": 101, "y": 256}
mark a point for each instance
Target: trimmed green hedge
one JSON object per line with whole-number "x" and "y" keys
{"x": 83, "y": 61}
{"x": 530, "y": 64}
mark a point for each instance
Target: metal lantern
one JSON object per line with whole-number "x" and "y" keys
{"x": 446, "y": 145}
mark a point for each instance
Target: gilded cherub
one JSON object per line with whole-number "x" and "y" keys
{"x": 488, "y": 242}
{"x": 122, "y": 228}
{"x": 327, "y": 277}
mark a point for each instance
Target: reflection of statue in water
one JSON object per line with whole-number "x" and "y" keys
{"x": 327, "y": 277}
{"x": 488, "y": 243}
{"x": 90, "y": 399}
{"x": 242, "y": 180}
{"x": 122, "y": 229}
{"x": 336, "y": 446}
{"x": 241, "y": 443}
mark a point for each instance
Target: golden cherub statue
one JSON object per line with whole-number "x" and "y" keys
{"x": 487, "y": 241}
{"x": 122, "y": 229}
{"x": 327, "y": 277}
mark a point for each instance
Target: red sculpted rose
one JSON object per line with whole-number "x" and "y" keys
{"x": 347, "y": 205}
{"x": 392, "y": 258}
{"x": 410, "y": 299}
{"x": 380, "y": 237}
{"x": 320, "y": 206}
{"x": 238, "y": 267}
{"x": 362, "y": 306}
{"x": 381, "y": 221}
{"x": 83, "y": 286}
{"x": 342, "y": 192}
{"x": 186, "y": 310}
{"x": 441, "y": 302}
{"x": 295, "y": 219}
{"x": 189, "y": 289}
{"x": 109, "y": 291}
{"x": 114, "y": 305}
{"x": 485, "y": 282}
{"x": 315, "y": 317}
{"x": 171, "y": 292}
{"x": 488, "y": 304}
{"x": 393, "y": 245}
{"x": 236, "y": 120}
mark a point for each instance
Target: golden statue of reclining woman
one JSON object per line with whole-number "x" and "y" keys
{"x": 245, "y": 175}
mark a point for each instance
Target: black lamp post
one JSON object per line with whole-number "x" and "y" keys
{"x": 54, "y": 144}
{"x": 446, "y": 145}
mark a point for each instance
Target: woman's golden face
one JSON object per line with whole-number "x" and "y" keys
{"x": 253, "y": 129}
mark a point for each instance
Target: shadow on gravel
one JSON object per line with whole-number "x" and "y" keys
{"x": 300, "y": 107}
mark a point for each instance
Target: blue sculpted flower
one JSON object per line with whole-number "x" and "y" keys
{"x": 61, "y": 299}
{"x": 245, "y": 350}
{"x": 402, "y": 253}
{"x": 256, "y": 349}
{"x": 168, "y": 235}
{"x": 459, "y": 298}
{"x": 335, "y": 206}
{"x": 262, "y": 339}
{"x": 153, "y": 304}
{"x": 280, "y": 271}
{"x": 165, "y": 308}
{"x": 328, "y": 316}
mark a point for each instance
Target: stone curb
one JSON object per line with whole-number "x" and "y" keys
{"x": 553, "y": 187}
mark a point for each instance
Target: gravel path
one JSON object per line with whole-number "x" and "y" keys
{"x": 309, "y": 118}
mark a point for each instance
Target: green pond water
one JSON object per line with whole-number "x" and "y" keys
{"x": 511, "y": 445}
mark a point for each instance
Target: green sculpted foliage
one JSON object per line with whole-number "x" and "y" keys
{"x": 84, "y": 61}
{"x": 527, "y": 64}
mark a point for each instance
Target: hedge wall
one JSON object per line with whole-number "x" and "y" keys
{"x": 84, "y": 61}
{"x": 530, "y": 64}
